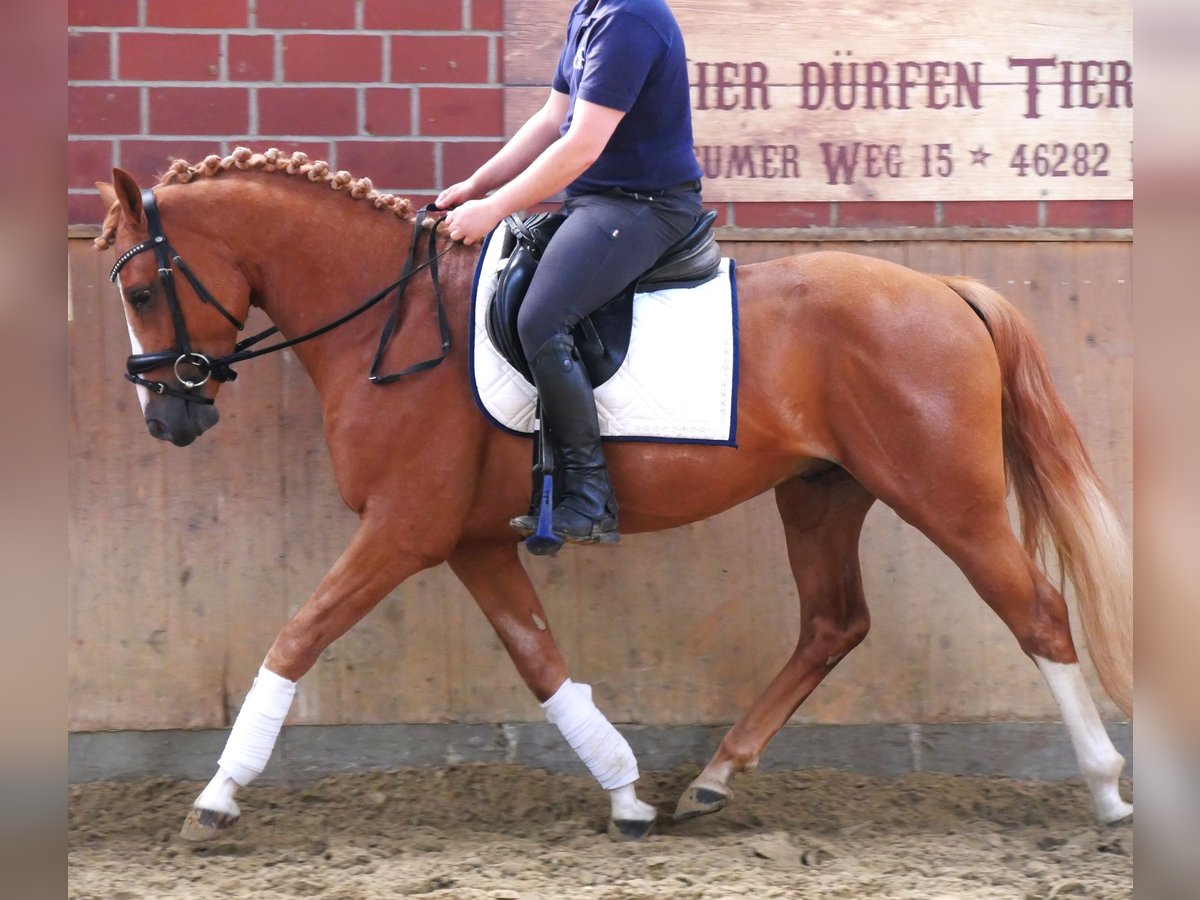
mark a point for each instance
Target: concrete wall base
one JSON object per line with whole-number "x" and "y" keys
{"x": 1027, "y": 750}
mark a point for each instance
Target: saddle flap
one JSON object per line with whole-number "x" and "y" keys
{"x": 524, "y": 243}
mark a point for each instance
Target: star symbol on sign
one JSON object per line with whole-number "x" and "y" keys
{"x": 979, "y": 157}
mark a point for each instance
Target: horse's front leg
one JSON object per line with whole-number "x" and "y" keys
{"x": 498, "y": 582}
{"x": 370, "y": 567}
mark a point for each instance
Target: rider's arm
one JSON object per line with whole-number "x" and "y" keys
{"x": 563, "y": 161}
{"x": 539, "y": 132}
{"x": 559, "y": 165}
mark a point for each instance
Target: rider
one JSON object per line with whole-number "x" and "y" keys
{"x": 616, "y": 134}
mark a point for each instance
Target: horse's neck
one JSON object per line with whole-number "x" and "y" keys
{"x": 312, "y": 270}
{"x": 332, "y": 254}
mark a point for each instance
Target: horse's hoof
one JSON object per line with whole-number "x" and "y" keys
{"x": 206, "y": 824}
{"x": 629, "y": 829}
{"x": 700, "y": 800}
{"x": 1112, "y": 810}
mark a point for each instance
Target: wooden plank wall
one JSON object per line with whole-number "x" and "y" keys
{"x": 185, "y": 563}
{"x": 766, "y": 74}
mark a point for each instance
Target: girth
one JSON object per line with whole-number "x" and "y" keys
{"x": 603, "y": 337}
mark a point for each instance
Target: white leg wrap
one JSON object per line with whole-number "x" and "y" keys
{"x": 1099, "y": 760}
{"x": 257, "y": 727}
{"x": 601, "y": 747}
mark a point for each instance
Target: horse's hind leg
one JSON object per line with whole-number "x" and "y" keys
{"x": 364, "y": 574}
{"x": 500, "y": 585}
{"x": 987, "y": 551}
{"x": 953, "y": 490}
{"x": 822, "y": 520}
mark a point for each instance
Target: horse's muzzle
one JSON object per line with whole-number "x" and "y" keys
{"x": 175, "y": 420}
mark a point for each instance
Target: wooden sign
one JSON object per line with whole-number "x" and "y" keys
{"x": 862, "y": 100}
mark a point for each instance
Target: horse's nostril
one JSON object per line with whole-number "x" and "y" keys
{"x": 158, "y": 429}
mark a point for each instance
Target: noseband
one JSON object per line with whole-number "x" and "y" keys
{"x": 183, "y": 357}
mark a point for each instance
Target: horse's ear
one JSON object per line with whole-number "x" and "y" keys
{"x": 108, "y": 196}
{"x": 123, "y": 190}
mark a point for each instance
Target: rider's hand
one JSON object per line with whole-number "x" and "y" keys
{"x": 473, "y": 221}
{"x": 458, "y": 194}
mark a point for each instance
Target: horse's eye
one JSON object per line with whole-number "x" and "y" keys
{"x": 139, "y": 298}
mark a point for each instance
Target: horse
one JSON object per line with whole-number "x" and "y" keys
{"x": 860, "y": 381}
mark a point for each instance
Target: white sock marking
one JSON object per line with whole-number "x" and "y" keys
{"x": 1099, "y": 760}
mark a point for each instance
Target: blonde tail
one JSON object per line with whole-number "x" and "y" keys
{"x": 1063, "y": 504}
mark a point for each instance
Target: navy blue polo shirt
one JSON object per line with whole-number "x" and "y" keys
{"x": 629, "y": 55}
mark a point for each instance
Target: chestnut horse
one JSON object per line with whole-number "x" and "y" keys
{"x": 860, "y": 380}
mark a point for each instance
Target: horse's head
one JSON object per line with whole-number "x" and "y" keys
{"x": 169, "y": 288}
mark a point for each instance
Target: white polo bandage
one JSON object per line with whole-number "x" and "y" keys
{"x": 257, "y": 726}
{"x": 601, "y": 747}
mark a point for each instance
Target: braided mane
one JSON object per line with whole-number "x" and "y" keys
{"x": 245, "y": 160}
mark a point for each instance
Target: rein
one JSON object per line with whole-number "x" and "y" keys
{"x": 219, "y": 369}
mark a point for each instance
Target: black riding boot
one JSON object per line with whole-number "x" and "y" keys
{"x": 587, "y": 511}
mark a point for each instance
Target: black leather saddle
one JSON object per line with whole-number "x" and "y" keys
{"x": 603, "y": 337}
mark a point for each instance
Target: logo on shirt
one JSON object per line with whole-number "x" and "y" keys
{"x": 580, "y": 56}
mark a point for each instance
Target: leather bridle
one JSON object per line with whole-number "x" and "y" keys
{"x": 182, "y": 356}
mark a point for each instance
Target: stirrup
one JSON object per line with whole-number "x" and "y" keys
{"x": 526, "y": 526}
{"x": 547, "y": 542}
{"x": 541, "y": 540}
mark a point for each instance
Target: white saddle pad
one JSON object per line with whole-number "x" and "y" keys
{"x": 678, "y": 382}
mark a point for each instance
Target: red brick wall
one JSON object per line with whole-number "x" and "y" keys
{"x": 407, "y": 92}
